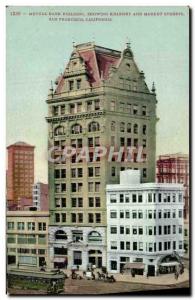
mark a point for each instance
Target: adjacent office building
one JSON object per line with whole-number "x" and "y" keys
{"x": 145, "y": 225}
{"x": 27, "y": 238}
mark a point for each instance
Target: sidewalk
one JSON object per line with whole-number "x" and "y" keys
{"x": 167, "y": 279}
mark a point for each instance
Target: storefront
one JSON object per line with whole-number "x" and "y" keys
{"x": 136, "y": 268}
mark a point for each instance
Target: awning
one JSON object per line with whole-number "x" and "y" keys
{"x": 59, "y": 259}
{"x": 135, "y": 265}
{"x": 169, "y": 264}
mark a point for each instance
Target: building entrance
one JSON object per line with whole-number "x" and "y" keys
{"x": 95, "y": 258}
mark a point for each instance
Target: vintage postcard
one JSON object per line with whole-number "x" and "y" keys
{"x": 97, "y": 175}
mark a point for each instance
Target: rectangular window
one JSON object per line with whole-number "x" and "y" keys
{"x": 112, "y": 106}
{"x": 121, "y": 214}
{"x": 128, "y": 108}
{"x": 159, "y": 198}
{"x": 74, "y": 202}
{"x": 141, "y": 247}
{"x": 90, "y": 172}
{"x": 113, "y": 171}
{"x": 97, "y": 186}
{"x": 97, "y": 171}
{"x": 97, "y": 104}
{"x": 62, "y": 109}
{"x": 73, "y": 218}
{"x": 121, "y": 198}
{"x": 20, "y": 226}
{"x": 98, "y": 217}
{"x": 113, "y": 214}
{"x": 63, "y": 217}
{"x": 113, "y": 245}
{"x": 144, "y": 172}
{"x": 134, "y": 246}
{"x": 89, "y": 106}
{"x": 134, "y": 198}
{"x": 113, "y": 265}
{"x": 122, "y": 106}
{"x": 90, "y": 142}
{"x": 159, "y": 230}
{"x": 113, "y": 230}
{"x": 127, "y": 245}
{"x": 97, "y": 202}
{"x": 57, "y": 217}
{"x": 42, "y": 239}
{"x": 31, "y": 225}
{"x": 78, "y": 84}
{"x": 80, "y": 217}
{"x": 42, "y": 226}
{"x": 91, "y": 203}
{"x": 143, "y": 110}
{"x": 121, "y": 229}
{"x": 149, "y": 197}
{"x": 10, "y": 225}
{"x": 90, "y": 218}
{"x": 180, "y": 213}
{"x": 71, "y": 85}
{"x": 135, "y": 109}
{"x": 63, "y": 202}
{"x": 90, "y": 186}
{"x": 128, "y": 142}
{"x": 122, "y": 245}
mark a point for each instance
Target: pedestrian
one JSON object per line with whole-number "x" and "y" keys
{"x": 176, "y": 275}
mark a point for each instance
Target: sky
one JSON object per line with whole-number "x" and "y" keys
{"x": 37, "y": 50}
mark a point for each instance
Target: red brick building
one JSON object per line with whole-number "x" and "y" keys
{"x": 20, "y": 173}
{"x": 174, "y": 168}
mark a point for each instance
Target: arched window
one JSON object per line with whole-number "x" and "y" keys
{"x": 135, "y": 128}
{"x": 94, "y": 236}
{"x": 76, "y": 128}
{"x": 94, "y": 126}
{"x": 129, "y": 127}
{"x": 122, "y": 127}
{"x": 113, "y": 125}
{"x": 59, "y": 130}
{"x": 60, "y": 235}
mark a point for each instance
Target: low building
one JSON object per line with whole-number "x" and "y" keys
{"x": 27, "y": 238}
{"x": 40, "y": 196}
{"x": 145, "y": 225}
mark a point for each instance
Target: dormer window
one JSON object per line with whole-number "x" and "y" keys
{"x": 71, "y": 85}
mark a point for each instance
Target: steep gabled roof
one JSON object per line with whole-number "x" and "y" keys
{"x": 98, "y": 61}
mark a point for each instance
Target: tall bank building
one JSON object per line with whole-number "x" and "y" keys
{"x": 100, "y": 100}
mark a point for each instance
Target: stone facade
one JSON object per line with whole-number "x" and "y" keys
{"x": 101, "y": 99}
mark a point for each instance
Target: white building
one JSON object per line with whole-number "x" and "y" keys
{"x": 144, "y": 225}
